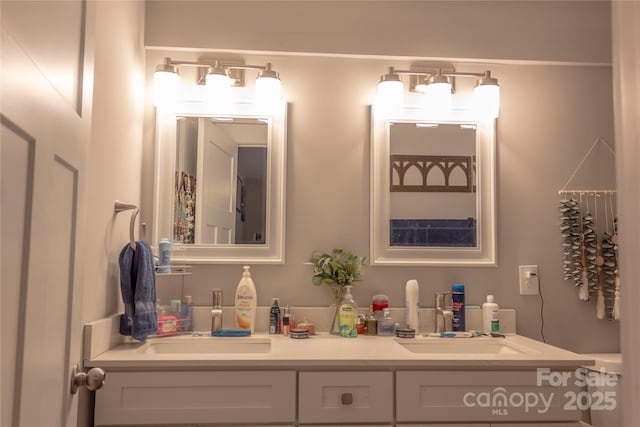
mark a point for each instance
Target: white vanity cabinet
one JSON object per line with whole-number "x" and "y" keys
{"x": 482, "y": 398}
{"x": 389, "y": 397}
{"x": 197, "y": 398}
{"x": 573, "y": 424}
{"x": 327, "y": 381}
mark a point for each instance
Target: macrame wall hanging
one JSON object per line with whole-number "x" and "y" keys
{"x": 590, "y": 243}
{"x": 184, "y": 208}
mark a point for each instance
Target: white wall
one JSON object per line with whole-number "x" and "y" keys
{"x": 115, "y": 155}
{"x": 517, "y": 30}
{"x": 551, "y": 114}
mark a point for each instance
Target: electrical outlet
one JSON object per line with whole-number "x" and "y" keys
{"x": 529, "y": 282}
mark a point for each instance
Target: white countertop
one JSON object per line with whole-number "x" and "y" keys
{"x": 610, "y": 362}
{"x": 324, "y": 350}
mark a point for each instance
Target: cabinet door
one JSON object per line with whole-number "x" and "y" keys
{"x": 543, "y": 425}
{"x": 346, "y": 397}
{"x": 178, "y": 398}
{"x": 447, "y": 425}
{"x": 472, "y": 396}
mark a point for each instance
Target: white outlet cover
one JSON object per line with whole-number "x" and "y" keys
{"x": 529, "y": 285}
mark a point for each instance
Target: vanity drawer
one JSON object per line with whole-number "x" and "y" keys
{"x": 344, "y": 397}
{"x": 198, "y": 397}
{"x": 479, "y": 396}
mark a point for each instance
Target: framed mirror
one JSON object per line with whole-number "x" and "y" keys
{"x": 432, "y": 189}
{"x": 220, "y": 183}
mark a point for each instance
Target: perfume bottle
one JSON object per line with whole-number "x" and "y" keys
{"x": 371, "y": 323}
{"x": 386, "y": 326}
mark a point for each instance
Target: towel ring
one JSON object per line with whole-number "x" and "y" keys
{"x": 120, "y": 207}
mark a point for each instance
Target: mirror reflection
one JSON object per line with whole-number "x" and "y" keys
{"x": 432, "y": 200}
{"x": 220, "y": 181}
{"x": 432, "y": 189}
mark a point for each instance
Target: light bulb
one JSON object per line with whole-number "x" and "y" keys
{"x": 218, "y": 89}
{"x": 268, "y": 89}
{"x": 389, "y": 97}
{"x": 438, "y": 96}
{"x": 487, "y": 100}
{"x": 166, "y": 85}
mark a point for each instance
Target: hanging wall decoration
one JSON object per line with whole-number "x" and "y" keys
{"x": 570, "y": 232}
{"x": 589, "y": 251}
{"x": 609, "y": 255}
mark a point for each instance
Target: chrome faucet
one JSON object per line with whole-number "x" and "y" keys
{"x": 444, "y": 315}
{"x": 216, "y": 310}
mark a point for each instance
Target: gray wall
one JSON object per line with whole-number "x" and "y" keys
{"x": 552, "y": 61}
{"x": 115, "y": 158}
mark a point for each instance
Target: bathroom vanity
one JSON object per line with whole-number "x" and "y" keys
{"x": 275, "y": 380}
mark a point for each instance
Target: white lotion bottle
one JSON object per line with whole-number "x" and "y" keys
{"x": 246, "y": 301}
{"x": 490, "y": 316}
{"x": 411, "y": 305}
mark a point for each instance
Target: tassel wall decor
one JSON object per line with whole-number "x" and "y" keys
{"x": 589, "y": 254}
{"x": 571, "y": 244}
{"x": 616, "y": 299}
{"x": 597, "y": 262}
{"x": 590, "y": 261}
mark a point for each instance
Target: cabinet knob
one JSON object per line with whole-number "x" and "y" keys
{"x": 346, "y": 398}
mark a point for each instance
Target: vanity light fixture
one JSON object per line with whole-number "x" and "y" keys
{"x": 487, "y": 95}
{"x": 218, "y": 80}
{"x": 268, "y": 85}
{"x": 437, "y": 86}
{"x": 390, "y": 89}
{"x": 166, "y": 83}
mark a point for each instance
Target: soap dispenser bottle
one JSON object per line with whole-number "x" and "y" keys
{"x": 245, "y": 302}
{"x": 347, "y": 315}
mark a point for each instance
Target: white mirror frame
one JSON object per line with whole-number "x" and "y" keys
{"x": 485, "y": 254}
{"x": 270, "y": 253}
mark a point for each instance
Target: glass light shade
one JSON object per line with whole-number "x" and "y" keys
{"x": 486, "y": 99}
{"x": 268, "y": 89}
{"x": 218, "y": 89}
{"x": 438, "y": 96}
{"x": 389, "y": 94}
{"x": 166, "y": 86}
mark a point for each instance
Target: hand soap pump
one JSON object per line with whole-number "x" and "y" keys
{"x": 245, "y": 302}
{"x": 347, "y": 314}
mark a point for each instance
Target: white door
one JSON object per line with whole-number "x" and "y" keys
{"x": 47, "y": 70}
{"x": 215, "y": 185}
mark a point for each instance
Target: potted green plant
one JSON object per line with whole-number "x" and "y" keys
{"x": 337, "y": 270}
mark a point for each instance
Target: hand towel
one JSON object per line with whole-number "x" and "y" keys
{"x": 138, "y": 287}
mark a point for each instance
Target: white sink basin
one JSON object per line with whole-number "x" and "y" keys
{"x": 461, "y": 346}
{"x": 206, "y": 345}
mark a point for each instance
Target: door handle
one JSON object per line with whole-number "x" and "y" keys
{"x": 93, "y": 379}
